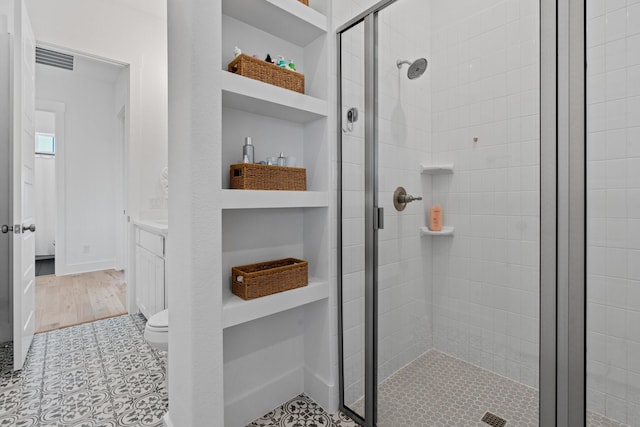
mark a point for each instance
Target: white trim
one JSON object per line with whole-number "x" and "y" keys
{"x": 121, "y": 192}
{"x": 241, "y": 410}
{"x": 166, "y": 420}
{"x": 73, "y": 52}
{"x": 320, "y": 390}
{"x": 85, "y": 267}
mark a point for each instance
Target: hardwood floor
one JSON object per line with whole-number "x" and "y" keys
{"x": 79, "y": 298}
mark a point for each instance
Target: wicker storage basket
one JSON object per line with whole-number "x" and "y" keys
{"x": 251, "y": 176}
{"x": 266, "y": 278}
{"x": 267, "y": 72}
{"x": 304, "y": 1}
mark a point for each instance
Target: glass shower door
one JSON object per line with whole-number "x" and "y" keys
{"x": 613, "y": 213}
{"x": 458, "y": 101}
{"x": 440, "y": 326}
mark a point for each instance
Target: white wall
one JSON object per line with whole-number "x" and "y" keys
{"x": 45, "y": 204}
{"x": 45, "y": 189}
{"x": 122, "y": 32}
{"x": 195, "y": 336}
{"x": 45, "y": 122}
{"x": 6, "y": 16}
{"x": 88, "y": 155}
{"x": 613, "y": 209}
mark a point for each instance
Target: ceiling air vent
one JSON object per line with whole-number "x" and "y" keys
{"x": 54, "y": 59}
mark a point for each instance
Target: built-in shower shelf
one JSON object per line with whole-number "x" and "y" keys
{"x": 446, "y": 231}
{"x": 235, "y": 310}
{"x": 436, "y": 169}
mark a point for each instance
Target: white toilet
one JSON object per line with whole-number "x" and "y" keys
{"x": 157, "y": 330}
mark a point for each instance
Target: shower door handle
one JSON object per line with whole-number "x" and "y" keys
{"x": 379, "y": 219}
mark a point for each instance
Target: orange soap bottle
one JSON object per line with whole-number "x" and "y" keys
{"x": 435, "y": 218}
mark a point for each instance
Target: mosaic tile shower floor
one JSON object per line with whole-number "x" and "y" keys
{"x": 438, "y": 390}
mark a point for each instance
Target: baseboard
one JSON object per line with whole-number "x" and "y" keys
{"x": 321, "y": 391}
{"x": 166, "y": 420}
{"x": 257, "y": 402}
{"x": 85, "y": 267}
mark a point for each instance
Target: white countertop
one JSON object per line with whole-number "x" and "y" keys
{"x": 156, "y": 226}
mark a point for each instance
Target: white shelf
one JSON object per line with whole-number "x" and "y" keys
{"x": 436, "y": 169}
{"x": 287, "y": 19}
{"x": 256, "y": 97}
{"x": 446, "y": 231}
{"x": 260, "y": 199}
{"x": 235, "y": 310}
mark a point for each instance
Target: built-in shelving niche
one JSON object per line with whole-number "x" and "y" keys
{"x": 274, "y": 136}
{"x": 277, "y": 345}
{"x": 436, "y": 171}
{"x": 280, "y": 345}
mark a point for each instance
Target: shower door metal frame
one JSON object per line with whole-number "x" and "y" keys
{"x": 572, "y": 218}
{"x": 370, "y": 19}
{"x": 561, "y": 297}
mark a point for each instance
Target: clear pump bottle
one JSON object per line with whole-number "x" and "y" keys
{"x": 247, "y": 150}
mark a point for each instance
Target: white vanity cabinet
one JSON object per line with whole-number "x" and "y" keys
{"x": 150, "y": 269}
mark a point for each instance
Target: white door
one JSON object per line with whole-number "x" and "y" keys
{"x": 23, "y": 178}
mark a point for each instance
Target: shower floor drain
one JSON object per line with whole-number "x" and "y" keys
{"x": 493, "y": 420}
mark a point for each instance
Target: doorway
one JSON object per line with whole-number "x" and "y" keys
{"x": 45, "y": 191}
{"x": 81, "y": 153}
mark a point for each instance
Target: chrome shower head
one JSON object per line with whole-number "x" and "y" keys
{"x": 416, "y": 68}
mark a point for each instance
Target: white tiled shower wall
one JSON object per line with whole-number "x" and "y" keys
{"x": 404, "y": 113}
{"x": 613, "y": 209}
{"x": 485, "y": 80}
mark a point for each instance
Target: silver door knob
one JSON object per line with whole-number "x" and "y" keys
{"x": 6, "y": 228}
{"x": 401, "y": 198}
{"x": 30, "y": 228}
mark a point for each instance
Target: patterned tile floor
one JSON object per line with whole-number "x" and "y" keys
{"x": 438, "y": 390}
{"x": 97, "y": 374}
{"x": 104, "y": 374}
{"x": 302, "y": 412}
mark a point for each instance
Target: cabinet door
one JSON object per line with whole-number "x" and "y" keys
{"x": 145, "y": 280}
{"x": 159, "y": 285}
